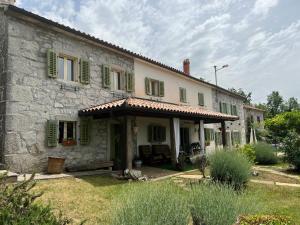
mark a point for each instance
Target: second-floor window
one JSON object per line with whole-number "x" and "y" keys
{"x": 119, "y": 81}
{"x": 223, "y": 107}
{"x": 234, "y": 110}
{"x": 182, "y": 94}
{"x": 66, "y": 68}
{"x": 154, "y": 87}
{"x": 201, "y": 99}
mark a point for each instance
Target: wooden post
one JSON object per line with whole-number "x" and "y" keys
{"x": 172, "y": 142}
{"x": 223, "y": 128}
{"x": 129, "y": 144}
{"x": 201, "y": 135}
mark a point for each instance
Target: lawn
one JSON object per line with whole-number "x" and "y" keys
{"x": 93, "y": 197}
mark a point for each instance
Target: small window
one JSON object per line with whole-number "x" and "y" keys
{"x": 67, "y": 131}
{"x": 201, "y": 99}
{"x": 182, "y": 94}
{"x": 66, "y": 69}
{"x": 224, "y": 108}
{"x": 154, "y": 87}
{"x": 236, "y": 137}
{"x": 156, "y": 133}
{"x": 258, "y": 119}
{"x": 118, "y": 78}
{"x": 234, "y": 110}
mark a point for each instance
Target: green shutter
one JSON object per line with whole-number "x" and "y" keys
{"x": 147, "y": 86}
{"x": 52, "y": 63}
{"x": 161, "y": 89}
{"x": 182, "y": 94}
{"x": 129, "y": 81}
{"x": 235, "y": 110}
{"x": 84, "y": 71}
{"x": 224, "y": 108}
{"x": 221, "y": 110}
{"x": 105, "y": 76}
{"x": 52, "y": 133}
{"x": 84, "y": 132}
{"x": 201, "y": 99}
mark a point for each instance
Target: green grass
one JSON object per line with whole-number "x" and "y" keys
{"x": 169, "y": 166}
{"x": 94, "y": 197}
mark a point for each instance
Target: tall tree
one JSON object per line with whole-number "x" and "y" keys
{"x": 243, "y": 93}
{"x": 292, "y": 104}
{"x": 275, "y": 104}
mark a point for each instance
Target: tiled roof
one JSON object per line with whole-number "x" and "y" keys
{"x": 146, "y": 104}
{"x": 253, "y": 108}
{"x": 15, "y": 9}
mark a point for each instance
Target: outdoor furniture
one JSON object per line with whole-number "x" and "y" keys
{"x": 163, "y": 150}
{"x": 155, "y": 154}
{"x": 99, "y": 164}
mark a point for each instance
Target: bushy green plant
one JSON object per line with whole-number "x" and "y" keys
{"x": 264, "y": 219}
{"x": 151, "y": 203}
{"x": 17, "y": 206}
{"x": 291, "y": 148}
{"x": 248, "y": 151}
{"x": 265, "y": 153}
{"x": 230, "y": 167}
{"x": 216, "y": 204}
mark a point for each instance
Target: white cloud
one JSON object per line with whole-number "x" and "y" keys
{"x": 262, "y": 7}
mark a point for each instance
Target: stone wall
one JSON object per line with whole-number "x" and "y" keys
{"x": 3, "y": 75}
{"x": 34, "y": 98}
{"x": 238, "y": 125}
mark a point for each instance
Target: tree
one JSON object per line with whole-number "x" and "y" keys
{"x": 243, "y": 93}
{"x": 275, "y": 104}
{"x": 292, "y": 104}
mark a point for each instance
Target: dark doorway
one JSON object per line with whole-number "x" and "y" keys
{"x": 117, "y": 150}
{"x": 184, "y": 139}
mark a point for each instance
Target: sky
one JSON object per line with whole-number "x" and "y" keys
{"x": 258, "y": 39}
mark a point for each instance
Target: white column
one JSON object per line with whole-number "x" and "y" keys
{"x": 201, "y": 135}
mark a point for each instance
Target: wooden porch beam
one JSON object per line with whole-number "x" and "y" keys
{"x": 223, "y": 130}
{"x": 172, "y": 143}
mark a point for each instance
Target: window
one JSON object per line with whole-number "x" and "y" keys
{"x": 154, "y": 87}
{"x": 223, "y": 107}
{"x": 201, "y": 99}
{"x": 118, "y": 78}
{"x": 258, "y": 119}
{"x": 209, "y": 135}
{"x": 182, "y": 94}
{"x": 236, "y": 137}
{"x": 67, "y": 131}
{"x": 156, "y": 133}
{"x": 66, "y": 69}
{"x": 234, "y": 110}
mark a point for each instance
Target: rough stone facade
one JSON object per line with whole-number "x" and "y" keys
{"x": 3, "y": 75}
{"x": 34, "y": 98}
{"x": 238, "y": 125}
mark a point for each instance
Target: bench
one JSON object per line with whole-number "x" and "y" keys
{"x": 155, "y": 153}
{"x": 92, "y": 166}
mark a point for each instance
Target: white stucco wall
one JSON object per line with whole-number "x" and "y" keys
{"x": 172, "y": 82}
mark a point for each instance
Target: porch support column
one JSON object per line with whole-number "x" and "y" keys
{"x": 223, "y": 130}
{"x": 201, "y": 135}
{"x": 129, "y": 144}
{"x": 172, "y": 142}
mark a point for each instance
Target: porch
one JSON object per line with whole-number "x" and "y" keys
{"x": 162, "y": 130}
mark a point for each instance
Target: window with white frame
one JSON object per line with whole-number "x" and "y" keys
{"x": 67, "y": 131}
{"x": 66, "y": 67}
{"x": 119, "y": 80}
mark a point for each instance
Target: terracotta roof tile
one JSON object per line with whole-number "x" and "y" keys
{"x": 139, "y": 103}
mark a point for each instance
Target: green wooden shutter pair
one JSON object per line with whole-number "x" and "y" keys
{"x": 52, "y": 133}
{"x": 105, "y": 76}
{"x": 52, "y": 63}
{"x": 129, "y": 81}
{"x": 224, "y": 108}
{"x": 182, "y": 93}
{"x": 161, "y": 89}
{"x": 84, "y": 132}
{"x": 84, "y": 71}
{"x": 221, "y": 110}
{"x": 201, "y": 99}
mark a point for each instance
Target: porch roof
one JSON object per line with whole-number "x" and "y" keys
{"x": 147, "y": 107}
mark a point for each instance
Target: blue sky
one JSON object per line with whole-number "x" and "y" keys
{"x": 259, "y": 39}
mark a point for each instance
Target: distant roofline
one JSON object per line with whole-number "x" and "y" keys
{"x": 253, "y": 107}
{"x": 15, "y": 9}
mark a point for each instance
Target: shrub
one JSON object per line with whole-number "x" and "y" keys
{"x": 248, "y": 151}
{"x": 291, "y": 148}
{"x": 215, "y": 204}
{"x": 17, "y": 208}
{"x": 265, "y": 153}
{"x": 230, "y": 167}
{"x": 151, "y": 203}
{"x": 264, "y": 219}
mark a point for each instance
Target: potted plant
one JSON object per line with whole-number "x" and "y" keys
{"x": 69, "y": 142}
{"x": 137, "y": 162}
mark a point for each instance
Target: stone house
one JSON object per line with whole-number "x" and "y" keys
{"x": 64, "y": 93}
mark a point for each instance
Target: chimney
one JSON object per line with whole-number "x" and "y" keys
{"x": 186, "y": 66}
{"x": 7, "y": 2}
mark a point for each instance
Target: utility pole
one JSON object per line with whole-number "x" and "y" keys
{"x": 216, "y": 78}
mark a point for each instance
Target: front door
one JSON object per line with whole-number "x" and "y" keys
{"x": 117, "y": 151}
{"x": 184, "y": 139}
